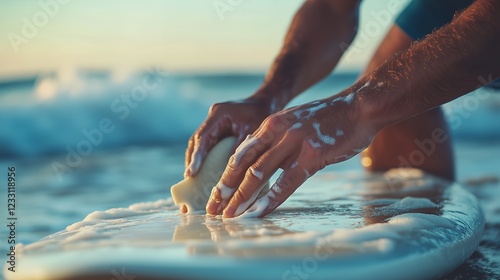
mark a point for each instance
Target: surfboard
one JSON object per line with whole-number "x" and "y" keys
{"x": 402, "y": 224}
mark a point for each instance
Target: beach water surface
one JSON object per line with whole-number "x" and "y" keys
{"x": 43, "y": 124}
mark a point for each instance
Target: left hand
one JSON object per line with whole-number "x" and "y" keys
{"x": 301, "y": 140}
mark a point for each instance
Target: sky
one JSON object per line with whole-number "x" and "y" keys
{"x": 187, "y": 35}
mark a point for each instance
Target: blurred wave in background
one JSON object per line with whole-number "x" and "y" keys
{"x": 160, "y": 66}
{"x": 57, "y": 112}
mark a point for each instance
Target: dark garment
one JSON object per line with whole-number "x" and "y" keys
{"x": 421, "y": 17}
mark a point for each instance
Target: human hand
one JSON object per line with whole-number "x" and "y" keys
{"x": 301, "y": 141}
{"x": 224, "y": 119}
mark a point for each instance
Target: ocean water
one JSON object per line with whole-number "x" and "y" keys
{"x": 46, "y": 122}
{"x": 365, "y": 228}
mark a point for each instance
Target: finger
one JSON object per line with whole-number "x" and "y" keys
{"x": 204, "y": 140}
{"x": 197, "y": 157}
{"x": 246, "y": 154}
{"x": 242, "y": 134}
{"x": 255, "y": 177}
{"x": 288, "y": 181}
{"x": 189, "y": 152}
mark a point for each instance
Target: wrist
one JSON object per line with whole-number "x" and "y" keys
{"x": 363, "y": 110}
{"x": 274, "y": 97}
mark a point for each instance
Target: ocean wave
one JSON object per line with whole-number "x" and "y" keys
{"x": 66, "y": 112}
{"x": 81, "y": 111}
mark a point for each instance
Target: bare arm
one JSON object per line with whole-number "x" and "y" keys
{"x": 442, "y": 67}
{"x": 304, "y": 139}
{"x": 310, "y": 52}
{"x": 311, "y": 49}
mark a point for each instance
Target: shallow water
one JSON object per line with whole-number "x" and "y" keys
{"x": 130, "y": 166}
{"x": 361, "y": 227}
{"x": 122, "y": 177}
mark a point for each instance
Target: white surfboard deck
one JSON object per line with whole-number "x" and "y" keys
{"x": 398, "y": 225}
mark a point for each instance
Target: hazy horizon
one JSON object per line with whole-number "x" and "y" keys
{"x": 181, "y": 36}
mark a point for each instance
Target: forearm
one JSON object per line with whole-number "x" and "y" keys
{"x": 444, "y": 66}
{"x": 311, "y": 49}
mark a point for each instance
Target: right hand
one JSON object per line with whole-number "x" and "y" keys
{"x": 300, "y": 141}
{"x": 237, "y": 119}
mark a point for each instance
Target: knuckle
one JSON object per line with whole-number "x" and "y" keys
{"x": 267, "y": 136}
{"x": 241, "y": 195}
{"x": 293, "y": 179}
{"x": 231, "y": 178}
{"x": 273, "y": 122}
{"x": 198, "y": 134}
{"x": 212, "y": 108}
{"x": 203, "y": 134}
{"x": 253, "y": 174}
{"x": 293, "y": 133}
{"x": 287, "y": 118}
{"x": 285, "y": 182}
{"x": 191, "y": 141}
{"x": 232, "y": 164}
{"x": 237, "y": 162}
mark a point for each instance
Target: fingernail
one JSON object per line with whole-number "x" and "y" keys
{"x": 229, "y": 211}
{"x": 183, "y": 209}
{"x": 221, "y": 206}
{"x": 187, "y": 172}
{"x": 211, "y": 207}
{"x": 213, "y": 202}
{"x": 231, "y": 160}
{"x": 195, "y": 167}
{"x": 219, "y": 198}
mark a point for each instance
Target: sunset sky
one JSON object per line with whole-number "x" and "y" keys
{"x": 188, "y": 35}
